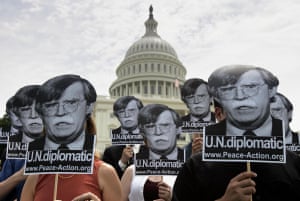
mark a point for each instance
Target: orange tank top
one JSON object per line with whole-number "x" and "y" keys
{"x": 68, "y": 185}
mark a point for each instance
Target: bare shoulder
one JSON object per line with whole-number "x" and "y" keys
{"x": 107, "y": 176}
{"x": 129, "y": 171}
{"x": 130, "y": 168}
{"x": 106, "y": 170}
{"x": 32, "y": 179}
{"x": 29, "y": 187}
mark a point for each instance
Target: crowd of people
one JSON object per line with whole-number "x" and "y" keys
{"x": 236, "y": 102}
{"x": 245, "y": 94}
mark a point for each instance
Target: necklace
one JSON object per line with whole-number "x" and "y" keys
{"x": 65, "y": 177}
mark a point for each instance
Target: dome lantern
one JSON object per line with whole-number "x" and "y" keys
{"x": 151, "y": 24}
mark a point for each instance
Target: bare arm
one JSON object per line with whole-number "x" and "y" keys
{"x": 29, "y": 188}
{"x": 109, "y": 183}
{"x": 126, "y": 182}
{"x": 7, "y": 185}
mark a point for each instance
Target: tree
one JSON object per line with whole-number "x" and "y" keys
{"x": 5, "y": 122}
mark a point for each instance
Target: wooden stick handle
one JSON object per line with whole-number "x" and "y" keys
{"x": 248, "y": 170}
{"x": 248, "y": 166}
{"x": 55, "y": 187}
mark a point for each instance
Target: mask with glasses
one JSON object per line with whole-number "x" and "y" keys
{"x": 195, "y": 98}
{"x": 230, "y": 92}
{"x": 69, "y": 106}
{"x": 128, "y": 112}
{"x": 151, "y": 128}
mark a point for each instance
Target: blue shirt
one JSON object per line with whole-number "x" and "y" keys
{"x": 10, "y": 167}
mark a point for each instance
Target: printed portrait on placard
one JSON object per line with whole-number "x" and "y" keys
{"x": 27, "y": 124}
{"x": 65, "y": 104}
{"x": 249, "y": 132}
{"x": 160, "y": 126}
{"x": 126, "y": 109}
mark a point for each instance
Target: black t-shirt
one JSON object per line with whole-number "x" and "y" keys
{"x": 207, "y": 181}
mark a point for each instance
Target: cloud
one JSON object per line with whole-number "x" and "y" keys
{"x": 41, "y": 39}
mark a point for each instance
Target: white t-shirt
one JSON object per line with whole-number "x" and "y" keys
{"x": 138, "y": 182}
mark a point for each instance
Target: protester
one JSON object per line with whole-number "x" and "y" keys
{"x": 245, "y": 93}
{"x": 15, "y": 122}
{"x": 66, "y": 112}
{"x": 11, "y": 187}
{"x": 24, "y": 108}
{"x": 282, "y": 108}
{"x": 159, "y": 125}
{"x": 21, "y": 109}
{"x": 194, "y": 94}
{"x": 197, "y": 142}
{"x": 15, "y": 126}
{"x": 146, "y": 187}
{"x": 102, "y": 183}
{"x": 126, "y": 109}
{"x": 65, "y": 102}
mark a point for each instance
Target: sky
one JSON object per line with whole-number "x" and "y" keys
{"x": 40, "y": 39}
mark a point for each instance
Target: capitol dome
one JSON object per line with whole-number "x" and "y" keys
{"x": 150, "y": 67}
{"x": 150, "y": 71}
{"x": 151, "y": 43}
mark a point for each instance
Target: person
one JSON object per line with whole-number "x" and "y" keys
{"x": 65, "y": 102}
{"x": 282, "y": 108}
{"x": 244, "y": 93}
{"x": 194, "y": 94}
{"x": 159, "y": 125}
{"x": 126, "y": 109}
{"x": 146, "y": 187}
{"x": 220, "y": 115}
{"x": 23, "y": 110}
{"x": 102, "y": 185}
{"x": 8, "y": 185}
{"x": 16, "y": 124}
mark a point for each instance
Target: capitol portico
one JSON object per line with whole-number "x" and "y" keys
{"x": 150, "y": 71}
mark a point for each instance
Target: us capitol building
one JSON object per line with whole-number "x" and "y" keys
{"x": 150, "y": 71}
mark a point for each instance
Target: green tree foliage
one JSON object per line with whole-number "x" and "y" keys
{"x": 5, "y": 122}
